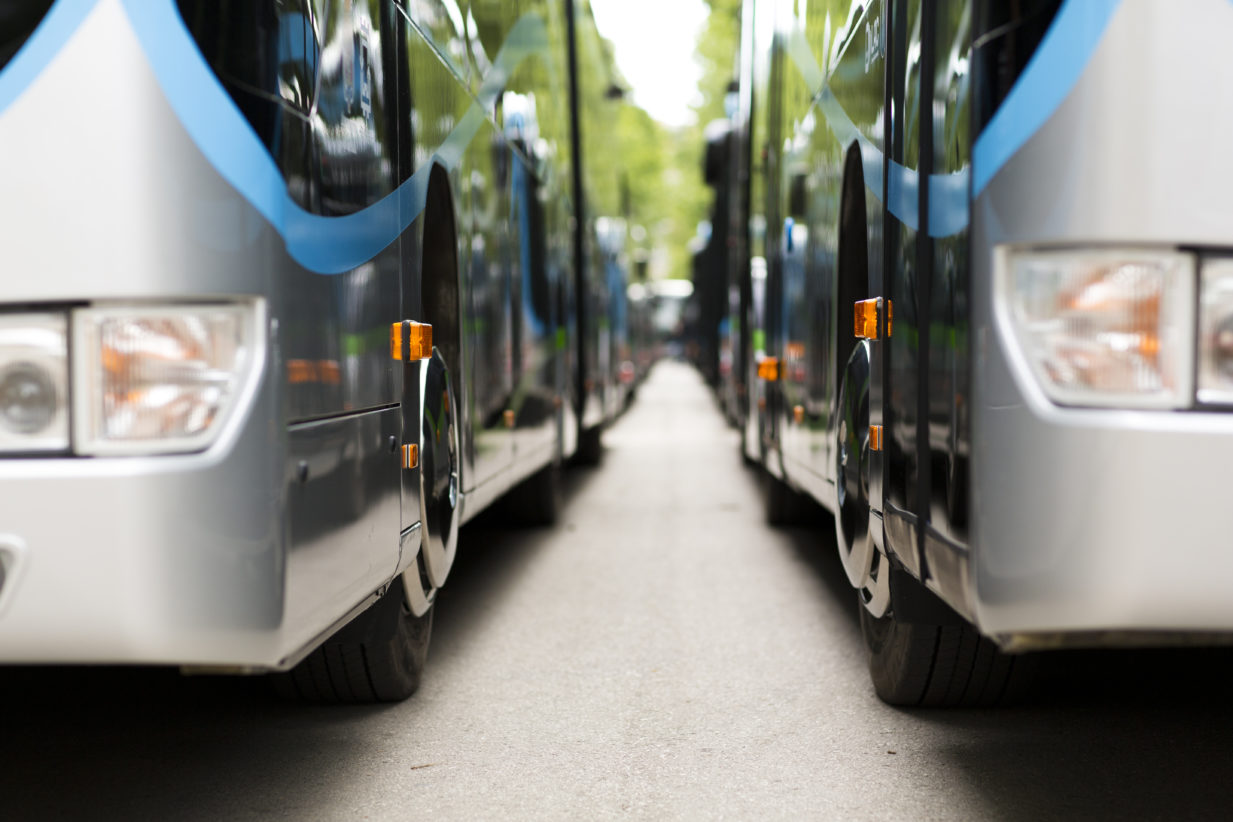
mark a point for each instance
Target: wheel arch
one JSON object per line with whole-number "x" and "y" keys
{"x": 851, "y": 261}
{"x": 440, "y": 277}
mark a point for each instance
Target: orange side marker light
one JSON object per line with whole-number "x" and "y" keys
{"x": 410, "y": 340}
{"x": 865, "y": 319}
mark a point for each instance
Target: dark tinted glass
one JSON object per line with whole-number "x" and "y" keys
{"x": 18, "y": 19}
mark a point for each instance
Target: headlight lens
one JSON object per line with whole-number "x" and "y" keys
{"x": 33, "y": 382}
{"x": 158, "y": 379}
{"x": 1108, "y": 328}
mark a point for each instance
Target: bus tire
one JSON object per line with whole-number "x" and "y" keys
{"x": 926, "y": 665}
{"x": 784, "y": 504}
{"x": 537, "y": 499}
{"x": 378, "y": 657}
{"x": 590, "y": 445}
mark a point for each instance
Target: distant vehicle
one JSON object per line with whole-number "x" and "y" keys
{"x": 997, "y": 320}
{"x": 293, "y": 289}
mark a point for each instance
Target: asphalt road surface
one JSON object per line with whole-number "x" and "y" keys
{"x": 660, "y": 654}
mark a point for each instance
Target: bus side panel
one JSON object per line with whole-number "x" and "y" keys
{"x": 949, "y": 353}
{"x": 763, "y": 226}
{"x": 336, "y": 340}
{"x": 905, "y": 281}
{"x": 602, "y": 221}
{"x": 535, "y": 121}
{"x": 792, "y": 266}
{"x": 487, "y": 301}
{"x": 808, "y": 150}
{"x": 748, "y": 388}
{"x": 856, "y": 87}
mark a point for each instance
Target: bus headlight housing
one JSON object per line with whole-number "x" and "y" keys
{"x": 1109, "y": 328}
{"x": 159, "y": 379}
{"x": 34, "y": 382}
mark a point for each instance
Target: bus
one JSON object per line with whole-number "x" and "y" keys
{"x": 997, "y": 267}
{"x": 292, "y": 290}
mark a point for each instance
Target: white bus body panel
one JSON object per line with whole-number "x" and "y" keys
{"x": 182, "y": 559}
{"x": 1108, "y": 520}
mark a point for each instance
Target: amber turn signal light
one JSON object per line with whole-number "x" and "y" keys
{"x": 875, "y": 438}
{"x": 410, "y": 341}
{"x": 865, "y": 318}
{"x": 410, "y": 456}
{"x": 768, "y": 369}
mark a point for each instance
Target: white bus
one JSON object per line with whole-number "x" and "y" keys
{"x": 291, "y": 289}
{"x": 999, "y": 314}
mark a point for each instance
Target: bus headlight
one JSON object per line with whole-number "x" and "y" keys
{"x": 33, "y": 382}
{"x": 1216, "y": 332}
{"x": 1103, "y": 328}
{"x": 159, "y": 379}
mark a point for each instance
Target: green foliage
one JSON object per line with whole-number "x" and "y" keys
{"x": 662, "y": 167}
{"x": 716, "y": 53}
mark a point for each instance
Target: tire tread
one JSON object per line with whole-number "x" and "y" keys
{"x": 932, "y": 666}
{"x": 380, "y": 658}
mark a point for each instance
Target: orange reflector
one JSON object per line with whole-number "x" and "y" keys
{"x": 509, "y": 418}
{"x": 396, "y": 335}
{"x": 865, "y": 316}
{"x": 421, "y": 341}
{"x": 875, "y": 438}
{"x": 410, "y": 456}
{"x": 410, "y": 341}
{"x": 890, "y": 316}
{"x": 798, "y": 414}
{"x": 329, "y": 372}
{"x": 768, "y": 369}
{"x": 301, "y": 371}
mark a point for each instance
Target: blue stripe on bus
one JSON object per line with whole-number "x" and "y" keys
{"x": 1048, "y": 78}
{"x": 326, "y": 245}
{"x": 948, "y": 193}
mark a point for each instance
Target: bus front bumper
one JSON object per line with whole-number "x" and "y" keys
{"x": 147, "y": 560}
{"x": 1102, "y": 527}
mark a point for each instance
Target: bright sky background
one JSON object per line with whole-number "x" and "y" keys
{"x": 654, "y": 42}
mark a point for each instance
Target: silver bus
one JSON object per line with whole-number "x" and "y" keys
{"x": 291, "y": 290}
{"x": 998, "y": 319}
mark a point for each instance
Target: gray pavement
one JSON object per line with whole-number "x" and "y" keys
{"x": 661, "y": 654}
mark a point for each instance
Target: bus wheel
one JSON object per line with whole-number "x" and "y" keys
{"x": 929, "y": 665}
{"x": 439, "y": 478}
{"x": 590, "y": 445}
{"x": 377, "y": 657}
{"x": 866, "y": 567}
{"x": 784, "y": 504}
{"x": 537, "y": 499}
